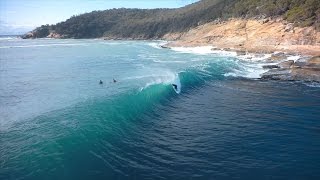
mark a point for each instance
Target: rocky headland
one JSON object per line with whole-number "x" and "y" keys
{"x": 251, "y": 35}
{"x": 304, "y": 69}
{"x": 259, "y": 36}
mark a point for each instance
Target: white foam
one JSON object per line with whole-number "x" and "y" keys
{"x": 294, "y": 58}
{"x": 159, "y": 61}
{"x": 158, "y": 44}
{"x": 251, "y": 71}
{"x": 165, "y": 78}
{"x": 224, "y": 53}
{"x": 202, "y": 50}
{"x": 254, "y": 57}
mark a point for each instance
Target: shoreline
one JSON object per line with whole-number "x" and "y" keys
{"x": 263, "y": 36}
{"x": 278, "y": 65}
{"x": 251, "y": 35}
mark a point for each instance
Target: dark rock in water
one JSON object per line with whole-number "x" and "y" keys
{"x": 313, "y": 62}
{"x": 308, "y": 70}
{"x": 278, "y": 74}
{"x": 241, "y": 53}
{"x": 259, "y": 55}
{"x": 278, "y": 56}
{"x": 215, "y": 49}
{"x": 306, "y": 74}
{"x": 165, "y": 47}
{"x": 299, "y": 64}
{"x": 270, "y": 67}
{"x": 28, "y": 36}
{"x": 286, "y": 64}
{"x": 315, "y": 59}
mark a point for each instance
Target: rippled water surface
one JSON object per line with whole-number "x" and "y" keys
{"x": 58, "y": 122}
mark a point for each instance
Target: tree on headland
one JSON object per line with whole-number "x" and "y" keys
{"x": 154, "y": 23}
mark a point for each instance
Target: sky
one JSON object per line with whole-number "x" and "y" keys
{"x": 21, "y": 16}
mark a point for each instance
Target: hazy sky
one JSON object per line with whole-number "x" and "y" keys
{"x": 20, "y": 16}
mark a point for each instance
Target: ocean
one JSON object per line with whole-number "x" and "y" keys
{"x": 222, "y": 121}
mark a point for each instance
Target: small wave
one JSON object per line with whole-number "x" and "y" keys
{"x": 312, "y": 84}
{"x": 8, "y": 38}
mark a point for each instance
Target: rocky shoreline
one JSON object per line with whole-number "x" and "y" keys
{"x": 304, "y": 69}
{"x": 279, "y": 65}
{"x": 261, "y": 36}
{"x": 251, "y": 35}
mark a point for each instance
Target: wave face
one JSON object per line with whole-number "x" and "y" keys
{"x": 58, "y": 122}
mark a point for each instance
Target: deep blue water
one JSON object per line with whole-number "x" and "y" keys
{"x": 57, "y": 122}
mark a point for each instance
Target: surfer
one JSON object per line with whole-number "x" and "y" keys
{"x": 114, "y": 81}
{"x": 175, "y": 87}
{"x": 101, "y": 82}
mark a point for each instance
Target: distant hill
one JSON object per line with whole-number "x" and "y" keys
{"x": 154, "y": 24}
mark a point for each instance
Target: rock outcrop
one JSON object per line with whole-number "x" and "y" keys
{"x": 253, "y": 35}
{"x": 54, "y": 35}
{"x": 29, "y": 35}
{"x": 301, "y": 70}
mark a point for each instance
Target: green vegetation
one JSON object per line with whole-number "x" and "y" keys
{"x": 301, "y": 12}
{"x": 146, "y": 24}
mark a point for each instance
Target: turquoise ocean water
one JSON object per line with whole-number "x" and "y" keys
{"x": 58, "y": 122}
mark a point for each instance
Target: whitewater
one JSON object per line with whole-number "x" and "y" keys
{"x": 58, "y": 122}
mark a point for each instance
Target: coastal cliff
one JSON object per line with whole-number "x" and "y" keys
{"x": 251, "y": 35}
{"x": 259, "y": 36}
